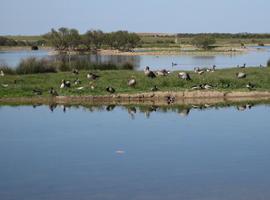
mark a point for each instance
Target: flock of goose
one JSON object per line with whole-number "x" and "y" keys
{"x": 148, "y": 73}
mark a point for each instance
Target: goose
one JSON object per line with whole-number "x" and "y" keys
{"x": 5, "y": 85}
{"x": 77, "y": 82}
{"x": 154, "y": 89}
{"x": 80, "y": 88}
{"x": 174, "y": 64}
{"x": 132, "y": 82}
{"x": 197, "y": 87}
{"x": 110, "y": 90}
{"x": 250, "y": 86}
{"x": 75, "y": 71}
{"x": 184, "y": 76}
{"x": 65, "y": 84}
{"x": 207, "y": 86}
{"x": 53, "y": 92}
{"x": 37, "y": 91}
{"x": 149, "y": 73}
{"x": 198, "y": 70}
{"x": 92, "y": 76}
{"x": 243, "y": 66}
{"x": 2, "y": 73}
{"x": 241, "y": 75}
{"x": 162, "y": 72}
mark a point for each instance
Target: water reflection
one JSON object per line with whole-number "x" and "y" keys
{"x": 148, "y": 110}
{"x": 96, "y": 152}
{"x": 98, "y": 59}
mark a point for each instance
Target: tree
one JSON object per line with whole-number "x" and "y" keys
{"x": 93, "y": 39}
{"x": 122, "y": 40}
{"x": 64, "y": 38}
{"x": 203, "y": 42}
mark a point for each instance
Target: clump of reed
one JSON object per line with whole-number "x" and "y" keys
{"x": 36, "y": 66}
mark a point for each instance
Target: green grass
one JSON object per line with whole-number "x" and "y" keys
{"x": 118, "y": 79}
{"x": 29, "y": 38}
{"x": 149, "y": 41}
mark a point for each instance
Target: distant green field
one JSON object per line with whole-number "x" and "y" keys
{"x": 26, "y": 38}
{"x": 168, "y": 41}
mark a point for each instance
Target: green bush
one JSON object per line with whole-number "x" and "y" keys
{"x": 204, "y": 42}
{"x": 268, "y": 63}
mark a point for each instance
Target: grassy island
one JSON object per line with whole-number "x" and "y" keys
{"x": 224, "y": 80}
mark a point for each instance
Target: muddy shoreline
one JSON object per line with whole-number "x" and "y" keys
{"x": 156, "y": 98}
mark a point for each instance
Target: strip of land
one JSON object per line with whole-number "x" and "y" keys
{"x": 224, "y": 86}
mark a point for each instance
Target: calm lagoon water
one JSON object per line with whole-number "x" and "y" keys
{"x": 187, "y": 62}
{"x": 91, "y": 153}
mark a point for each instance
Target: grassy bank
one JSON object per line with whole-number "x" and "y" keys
{"x": 221, "y": 80}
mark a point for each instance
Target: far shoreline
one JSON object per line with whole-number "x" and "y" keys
{"x": 154, "y": 51}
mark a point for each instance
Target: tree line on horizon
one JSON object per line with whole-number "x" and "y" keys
{"x": 65, "y": 39}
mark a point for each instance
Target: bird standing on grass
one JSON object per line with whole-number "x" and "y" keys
{"x": 184, "y": 76}
{"x": 132, "y": 82}
{"x": 110, "y": 89}
{"x": 241, "y": 75}
{"x": 37, "y": 92}
{"x": 75, "y": 71}
{"x": 53, "y": 92}
{"x": 154, "y": 89}
{"x": 77, "y": 82}
{"x": 92, "y": 76}
{"x": 65, "y": 84}
{"x": 162, "y": 72}
{"x": 149, "y": 73}
{"x": 250, "y": 86}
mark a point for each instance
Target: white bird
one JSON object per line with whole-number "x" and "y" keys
{"x": 80, "y": 88}
{"x": 162, "y": 72}
{"x": 241, "y": 75}
{"x": 132, "y": 82}
{"x": 207, "y": 86}
{"x": 62, "y": 85}
{"x": 184, "y": 76}
{"x": 2, "y": 73}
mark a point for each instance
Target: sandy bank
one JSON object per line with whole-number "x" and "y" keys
{"x": 157, "y": 98}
